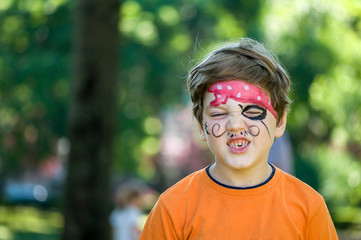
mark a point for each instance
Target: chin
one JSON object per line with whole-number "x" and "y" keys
{"x": 240, "y": 165}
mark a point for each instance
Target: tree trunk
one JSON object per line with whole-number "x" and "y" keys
{"x": 92, "y": 120}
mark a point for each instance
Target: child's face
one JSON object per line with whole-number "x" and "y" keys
{"x": 239, "y": 124}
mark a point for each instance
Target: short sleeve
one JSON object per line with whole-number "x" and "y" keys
{"x": 321, "y": 225}
{"x": 159, "y": 224}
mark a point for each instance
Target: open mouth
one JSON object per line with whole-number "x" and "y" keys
{"x": 238, "y": 144}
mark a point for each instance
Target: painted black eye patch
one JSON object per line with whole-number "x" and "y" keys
{"x": 254, "y": 112}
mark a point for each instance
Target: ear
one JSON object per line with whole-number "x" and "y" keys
{"x": 281, "y": 127}
{"x": 202, "y": 133}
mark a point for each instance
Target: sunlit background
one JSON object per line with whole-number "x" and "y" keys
{"x": 318, "y": 41}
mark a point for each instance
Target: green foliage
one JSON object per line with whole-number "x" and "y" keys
{"x": 34, "y": 63}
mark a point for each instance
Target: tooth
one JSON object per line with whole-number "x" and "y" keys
{"x": 237, "y": 144}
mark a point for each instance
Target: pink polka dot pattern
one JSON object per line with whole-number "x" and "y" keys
{"x": 242, "y": 92}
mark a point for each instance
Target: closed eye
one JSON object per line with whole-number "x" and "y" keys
{"x": 218, "y": 114}
{"x": 254, "y": 112}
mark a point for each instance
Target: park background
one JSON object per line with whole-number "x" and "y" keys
{"x": 152, "y": 135}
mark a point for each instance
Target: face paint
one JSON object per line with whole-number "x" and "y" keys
{"x": 255, "y": 112}
{"x": 252, "y": 130}
{"x": 215, "y": 130}
{"x": 242, "y": 92}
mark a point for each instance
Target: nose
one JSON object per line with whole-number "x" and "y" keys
{"x": 236, "y": 123}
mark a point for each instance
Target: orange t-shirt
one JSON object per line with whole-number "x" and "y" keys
{"x": 199, "y": 208}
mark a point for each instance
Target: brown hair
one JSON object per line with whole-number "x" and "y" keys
{"x": 248, "y": 61}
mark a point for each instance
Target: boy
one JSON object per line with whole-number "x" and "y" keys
{"x": 240, "y": 99}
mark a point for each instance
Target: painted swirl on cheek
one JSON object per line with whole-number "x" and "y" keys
{"x": 215, "y": 129}
{"x": 254, "y": 130}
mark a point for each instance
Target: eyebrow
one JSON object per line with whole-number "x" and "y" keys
{"x": 243, "y": 106}
{"x": 221, "y": 106}
{"x": 253, "y": 106}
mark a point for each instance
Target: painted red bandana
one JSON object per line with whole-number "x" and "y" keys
{"x": 241, "y": 92}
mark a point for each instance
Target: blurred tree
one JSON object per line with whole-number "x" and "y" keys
{"x": 92, "y": 119}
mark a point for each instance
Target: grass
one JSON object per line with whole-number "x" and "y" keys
{"x": 27, "y": 222}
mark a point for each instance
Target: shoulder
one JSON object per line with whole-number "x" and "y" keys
{"x": 172, "y": 204}
{"x": 183, "y": 186}
{"x": 298, "y": 193}
{"x": 307, "y": 208}
{"x": 183, "y": 189}
{"x": 298, "y": 187}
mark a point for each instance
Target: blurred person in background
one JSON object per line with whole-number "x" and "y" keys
{"x": 126, "y": 216}
{"x": 281, "y": 154}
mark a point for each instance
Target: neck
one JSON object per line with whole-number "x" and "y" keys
{"x": 242, "y": 178}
